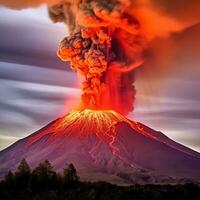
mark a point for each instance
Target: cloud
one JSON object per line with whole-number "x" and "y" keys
{"x": 26, "y": 107}
{"x": 28, "y": 73}
{"x": 19, "y": 4}
{"x": 180, "y": 9}
{"x": 7, "y": 140}
{"x": 178, "y": 118}
{"x": 23, "y": 41}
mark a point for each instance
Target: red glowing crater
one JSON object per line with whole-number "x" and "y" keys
{"x": 100, "y": 123}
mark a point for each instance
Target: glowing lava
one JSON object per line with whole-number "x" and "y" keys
{"x": 98, "y": 122}
{"x": 91, "y": 121}
{"x": 87, "y": 122}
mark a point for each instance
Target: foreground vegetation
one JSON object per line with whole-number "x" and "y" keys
{"x": 42, "y": 183}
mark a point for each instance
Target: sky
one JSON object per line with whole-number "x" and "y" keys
{"x": 36, "y": 87}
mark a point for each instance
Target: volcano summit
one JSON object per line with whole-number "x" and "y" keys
{"x": 104, "y": 145}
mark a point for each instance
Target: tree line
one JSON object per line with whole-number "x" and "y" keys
{"x": 43, "y": 183}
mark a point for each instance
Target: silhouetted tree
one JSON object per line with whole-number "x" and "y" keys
{"x": 70, "y": 174}
{"x": 23, "y": 168}
{"x": 9, "y": 180}
{"x": 45, "y": 184}
{"x": 22, "y": 175}
{"x": 43, "y": 176}
{"x": 9, "y": 176}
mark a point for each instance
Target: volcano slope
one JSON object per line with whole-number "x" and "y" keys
{"x": 104, "y": 145}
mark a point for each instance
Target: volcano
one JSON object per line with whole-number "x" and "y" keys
{"x": 104, "y": 145}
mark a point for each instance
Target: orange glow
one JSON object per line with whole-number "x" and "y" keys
{"x": 94, "y": 129}
{"x": 91, "y": 121}
{"x": 87, "y": 122}
{"x": 105, "y": 46}
{"x": 107, "y": 42}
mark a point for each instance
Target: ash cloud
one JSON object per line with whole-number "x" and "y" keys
{"x": 105, "y": 45}
{"x": 20, "y": 4}
{"x": 180, "y": 9}
{"x": 170, "y": 15}
{"x": 109, "y": 39}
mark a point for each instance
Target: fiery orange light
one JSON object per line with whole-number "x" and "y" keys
{"x": 88, "y": 124}
{"x": 91, "y": 121}
{"x": 104, "y": 45}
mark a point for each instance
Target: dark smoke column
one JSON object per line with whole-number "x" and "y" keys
{"x": 104, "y": 45}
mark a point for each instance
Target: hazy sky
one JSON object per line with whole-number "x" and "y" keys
{"x": 36, "y": 87}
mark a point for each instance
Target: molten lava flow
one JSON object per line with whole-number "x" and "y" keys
{"x": 97, "y": 122}
{"x": 90, "y": 121}
{"x": 105, "y": 45}
{"x": 100, "y": 127}
{"x": 87, "y": 122}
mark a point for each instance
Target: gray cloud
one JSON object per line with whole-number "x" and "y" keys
{"x": 35, "y": 74}
{"x": 26, "y": 106}
{"x": 31, "y": 41}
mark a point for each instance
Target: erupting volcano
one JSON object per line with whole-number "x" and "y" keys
{"x": 104, "y": 145}
{"x": 106, "y": 43}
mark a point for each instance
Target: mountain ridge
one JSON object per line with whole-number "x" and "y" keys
{"x": 105, "y": 145}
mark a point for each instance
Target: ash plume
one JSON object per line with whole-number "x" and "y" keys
{"x": 105, "y": 45}
{"x": 107, "y": 41}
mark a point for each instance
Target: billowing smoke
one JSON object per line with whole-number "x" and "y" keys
{"x": 108, "y": 39}
{"x": 105, "y": 45}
